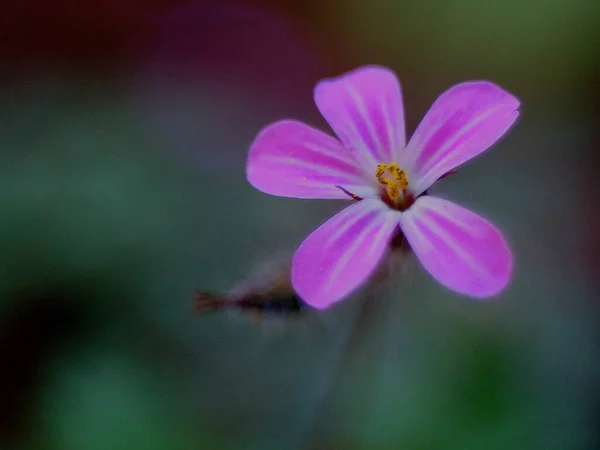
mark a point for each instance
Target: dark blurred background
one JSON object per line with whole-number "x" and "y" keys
{"x": 124, "y": 128}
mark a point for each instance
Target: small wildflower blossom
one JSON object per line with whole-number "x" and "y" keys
{"x": 388, "y": 179}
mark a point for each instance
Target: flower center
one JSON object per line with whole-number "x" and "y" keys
{"x": 392, "y": 179}
{"x": 394, "y": 182}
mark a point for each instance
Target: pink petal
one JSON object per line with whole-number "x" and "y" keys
{"x": 463, "y": 122}
{"x": 364, "y": 108}
{"x": 341, "y": 254}
{"x": 291, "y": 159}
{"x": 463, "y": 251}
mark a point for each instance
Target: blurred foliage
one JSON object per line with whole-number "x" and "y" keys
{"x": 107, "y": 400}
{"x": 545, "y": 49}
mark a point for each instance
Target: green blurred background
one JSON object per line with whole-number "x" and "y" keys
{"x": 124, "y": 131}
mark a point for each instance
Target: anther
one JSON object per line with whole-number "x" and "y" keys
{"x": 393, "y": 178}
{"x": 393, "y": 191}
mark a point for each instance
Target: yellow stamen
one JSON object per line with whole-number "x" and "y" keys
{"x": 393, "y": 191}
{"x": 393, "y": 178}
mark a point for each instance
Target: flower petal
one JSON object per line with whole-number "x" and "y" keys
{"x": 341, "y": 254}
{"x": 463, "y": 251}
{"x": 291, "y": 159}
{"x": 364, "y": 108}
{"x": 463, "y": 122}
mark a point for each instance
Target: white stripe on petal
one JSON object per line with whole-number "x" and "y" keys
{"x": 345, "y": 223}
{"x": 460, "y": 249}
{"x": 315, "y": 168}
{"x": 341, "y": 254}
{"x": 362, "y": 107}
{"x": 460, "y": 133}
{"x": 450, "y": 242}
{"x": 360, "y": 103}
{"x": 349, "y": 253}
{"x": 384, "y": 232}
{"x": 331, "y": 153}
{"x": 463, "y": 122}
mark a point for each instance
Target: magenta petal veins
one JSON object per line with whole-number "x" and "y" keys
{"x": 463, "y": 122}
{"x": 364, "y": 108}
{"x": 462, "y": 251}
{"x": 291, "y": 159}
{"x": 341, "y": 254}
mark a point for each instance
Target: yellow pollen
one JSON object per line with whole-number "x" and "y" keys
{"x": 393, "y": 178}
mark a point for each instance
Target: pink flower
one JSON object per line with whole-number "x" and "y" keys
{"x": 372, "y": 163}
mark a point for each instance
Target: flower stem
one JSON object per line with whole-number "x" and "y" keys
{"x": 350, "y": 388}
